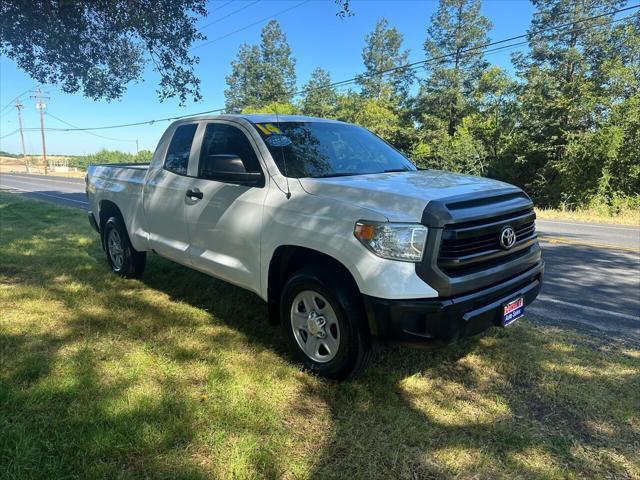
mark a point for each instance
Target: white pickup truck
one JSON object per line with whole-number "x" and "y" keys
{"x": 343, "y": 237}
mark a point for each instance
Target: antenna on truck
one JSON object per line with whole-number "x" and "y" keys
{"x": 284, "y": 159}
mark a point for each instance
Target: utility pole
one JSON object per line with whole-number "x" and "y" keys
{"x": 27, "y": 163}
{"x": 40, "y": 97}
{"x": 137, "y": 150}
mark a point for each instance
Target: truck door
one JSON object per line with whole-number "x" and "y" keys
{"x": 225, "y": 220}
{"x": 165, "y": 198}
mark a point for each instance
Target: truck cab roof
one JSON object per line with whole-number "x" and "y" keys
{"x": 260, "y": 118}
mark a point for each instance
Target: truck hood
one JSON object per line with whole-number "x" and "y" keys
{"x": 399, "y": 196}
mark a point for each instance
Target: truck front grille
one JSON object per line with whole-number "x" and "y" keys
{"x": 475, "y": 245}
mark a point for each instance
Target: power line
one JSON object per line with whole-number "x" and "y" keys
{"x": 244, "y": 7}
{"x": 9, "y": 134}
{"x": 479, "y": 47}
{"x": 222, "y": 6}
{"x": 146, "y": 122}
{"x": 413, "y": 65}
{"x": 84, "y": 131}
{"x": 10, "y": 104}
{"x": 209, "y": 42}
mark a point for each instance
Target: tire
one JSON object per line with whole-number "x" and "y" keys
{"x": 123, "y": 259}
{"x": 324, "y": 323}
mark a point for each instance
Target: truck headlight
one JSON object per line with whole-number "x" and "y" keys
{"x": 395, "y": 241}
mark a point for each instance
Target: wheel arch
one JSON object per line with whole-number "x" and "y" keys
{"x": 286, "y": 260}
{"x": 108, "y": 209}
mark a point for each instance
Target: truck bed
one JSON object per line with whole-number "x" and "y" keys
{"x": 137, "y": 166}
{"x": 121, "y": 184}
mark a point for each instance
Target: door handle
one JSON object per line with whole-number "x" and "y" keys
{"x": 194, "y": 194}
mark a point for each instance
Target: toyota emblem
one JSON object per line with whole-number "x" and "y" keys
{"x": 507, "y": 237}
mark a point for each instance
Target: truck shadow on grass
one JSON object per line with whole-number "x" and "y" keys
{"x": 180, "y": 376}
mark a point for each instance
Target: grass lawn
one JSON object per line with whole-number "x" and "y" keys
{"x": 178, "y": 375}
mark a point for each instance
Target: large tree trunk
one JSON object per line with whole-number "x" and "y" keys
{"x": 453, "y": 101}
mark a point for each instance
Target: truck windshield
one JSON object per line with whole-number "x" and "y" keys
{"x": 326, "y": 149}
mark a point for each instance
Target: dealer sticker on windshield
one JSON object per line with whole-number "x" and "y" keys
{"x": 512, "y": 311}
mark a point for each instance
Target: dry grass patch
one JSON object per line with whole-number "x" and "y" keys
{"x": 626, "y": 216}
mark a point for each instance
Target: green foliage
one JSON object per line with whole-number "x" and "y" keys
{"x": 98, "y": 48}
{"x": 10, "y": 155}
{"x": 602, "y": 165}
{"x": 567, "y": 131}
{"x": 262, "y": 74}
{"x": 244, "y": 80}
{"x": 456, "y": 27}
{"x": 344, "y": 8}
{"x": 273, "y": 107}
{"x": 382, "y": 52}
{"x": 566, "y": 128}
{"x": 110, "y": 156}
{"x": 378, "y": 115}
{"x": 319, "y": 98}
{"x": 278, "y": 66}
{"x": 460, "y": 152}
{"x": 574, "y": 143}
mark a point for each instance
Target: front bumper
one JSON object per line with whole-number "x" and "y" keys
{"x": 453, "y": 317}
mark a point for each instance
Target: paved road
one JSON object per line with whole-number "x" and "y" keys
{"x": 592, "y": 270}
{"x": 61, "y": 190}
{"x": 590, "y": 234}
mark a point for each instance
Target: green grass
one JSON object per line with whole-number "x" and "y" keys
{"x": 178, "y": 375}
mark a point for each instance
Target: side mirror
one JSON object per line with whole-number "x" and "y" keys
{"x": 229, "y": 168}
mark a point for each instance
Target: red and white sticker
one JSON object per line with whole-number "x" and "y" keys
{"x": 516, "y": 304}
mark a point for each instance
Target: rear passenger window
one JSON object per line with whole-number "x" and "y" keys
{"x": 224, "y": 140}
{"x": 177, "y": 159}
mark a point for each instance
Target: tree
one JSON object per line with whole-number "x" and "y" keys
{"x": 98, "y": 48}
{"x": 599, "y": 163}
{"x": 379, "y": 116}
{"x": 494, "y": 119}
{"x": 460, "y": 152}
{"x": 566, "y": 98}
{"x": 278, "y": 108}
{"x": 279, "y": 66}
{"x": 382, "y": 51}
{"x": 621, "y": 178}
{"x": 344, "y": 9}
{"x": 319, "y": 98}
{"x": 109, "y": 156}
{"x": 622, "y": 62}
{"x": 262, "y": 74}
{"x": 245, "y": 80}
{"x": 457, "y": 31}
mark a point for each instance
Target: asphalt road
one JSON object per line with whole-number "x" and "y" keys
{"x": 592, "y": 270}
{"x": 65, "y": 191}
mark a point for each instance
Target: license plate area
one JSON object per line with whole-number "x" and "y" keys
{"x": 512, "y": 311}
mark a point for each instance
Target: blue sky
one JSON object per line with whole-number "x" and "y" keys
{"x": 316, "y": 36}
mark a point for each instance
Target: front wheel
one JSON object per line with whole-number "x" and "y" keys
{"x": 324, "y": 324}
{"x": 122, "y": 257}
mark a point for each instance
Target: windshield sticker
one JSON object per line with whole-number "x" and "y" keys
{"x": 268, "y": 128}
{"x": 278, "y": 140}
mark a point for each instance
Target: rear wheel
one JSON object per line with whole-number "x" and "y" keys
{"x": 324, "y": 324}
{"x": 122, "y": 257}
